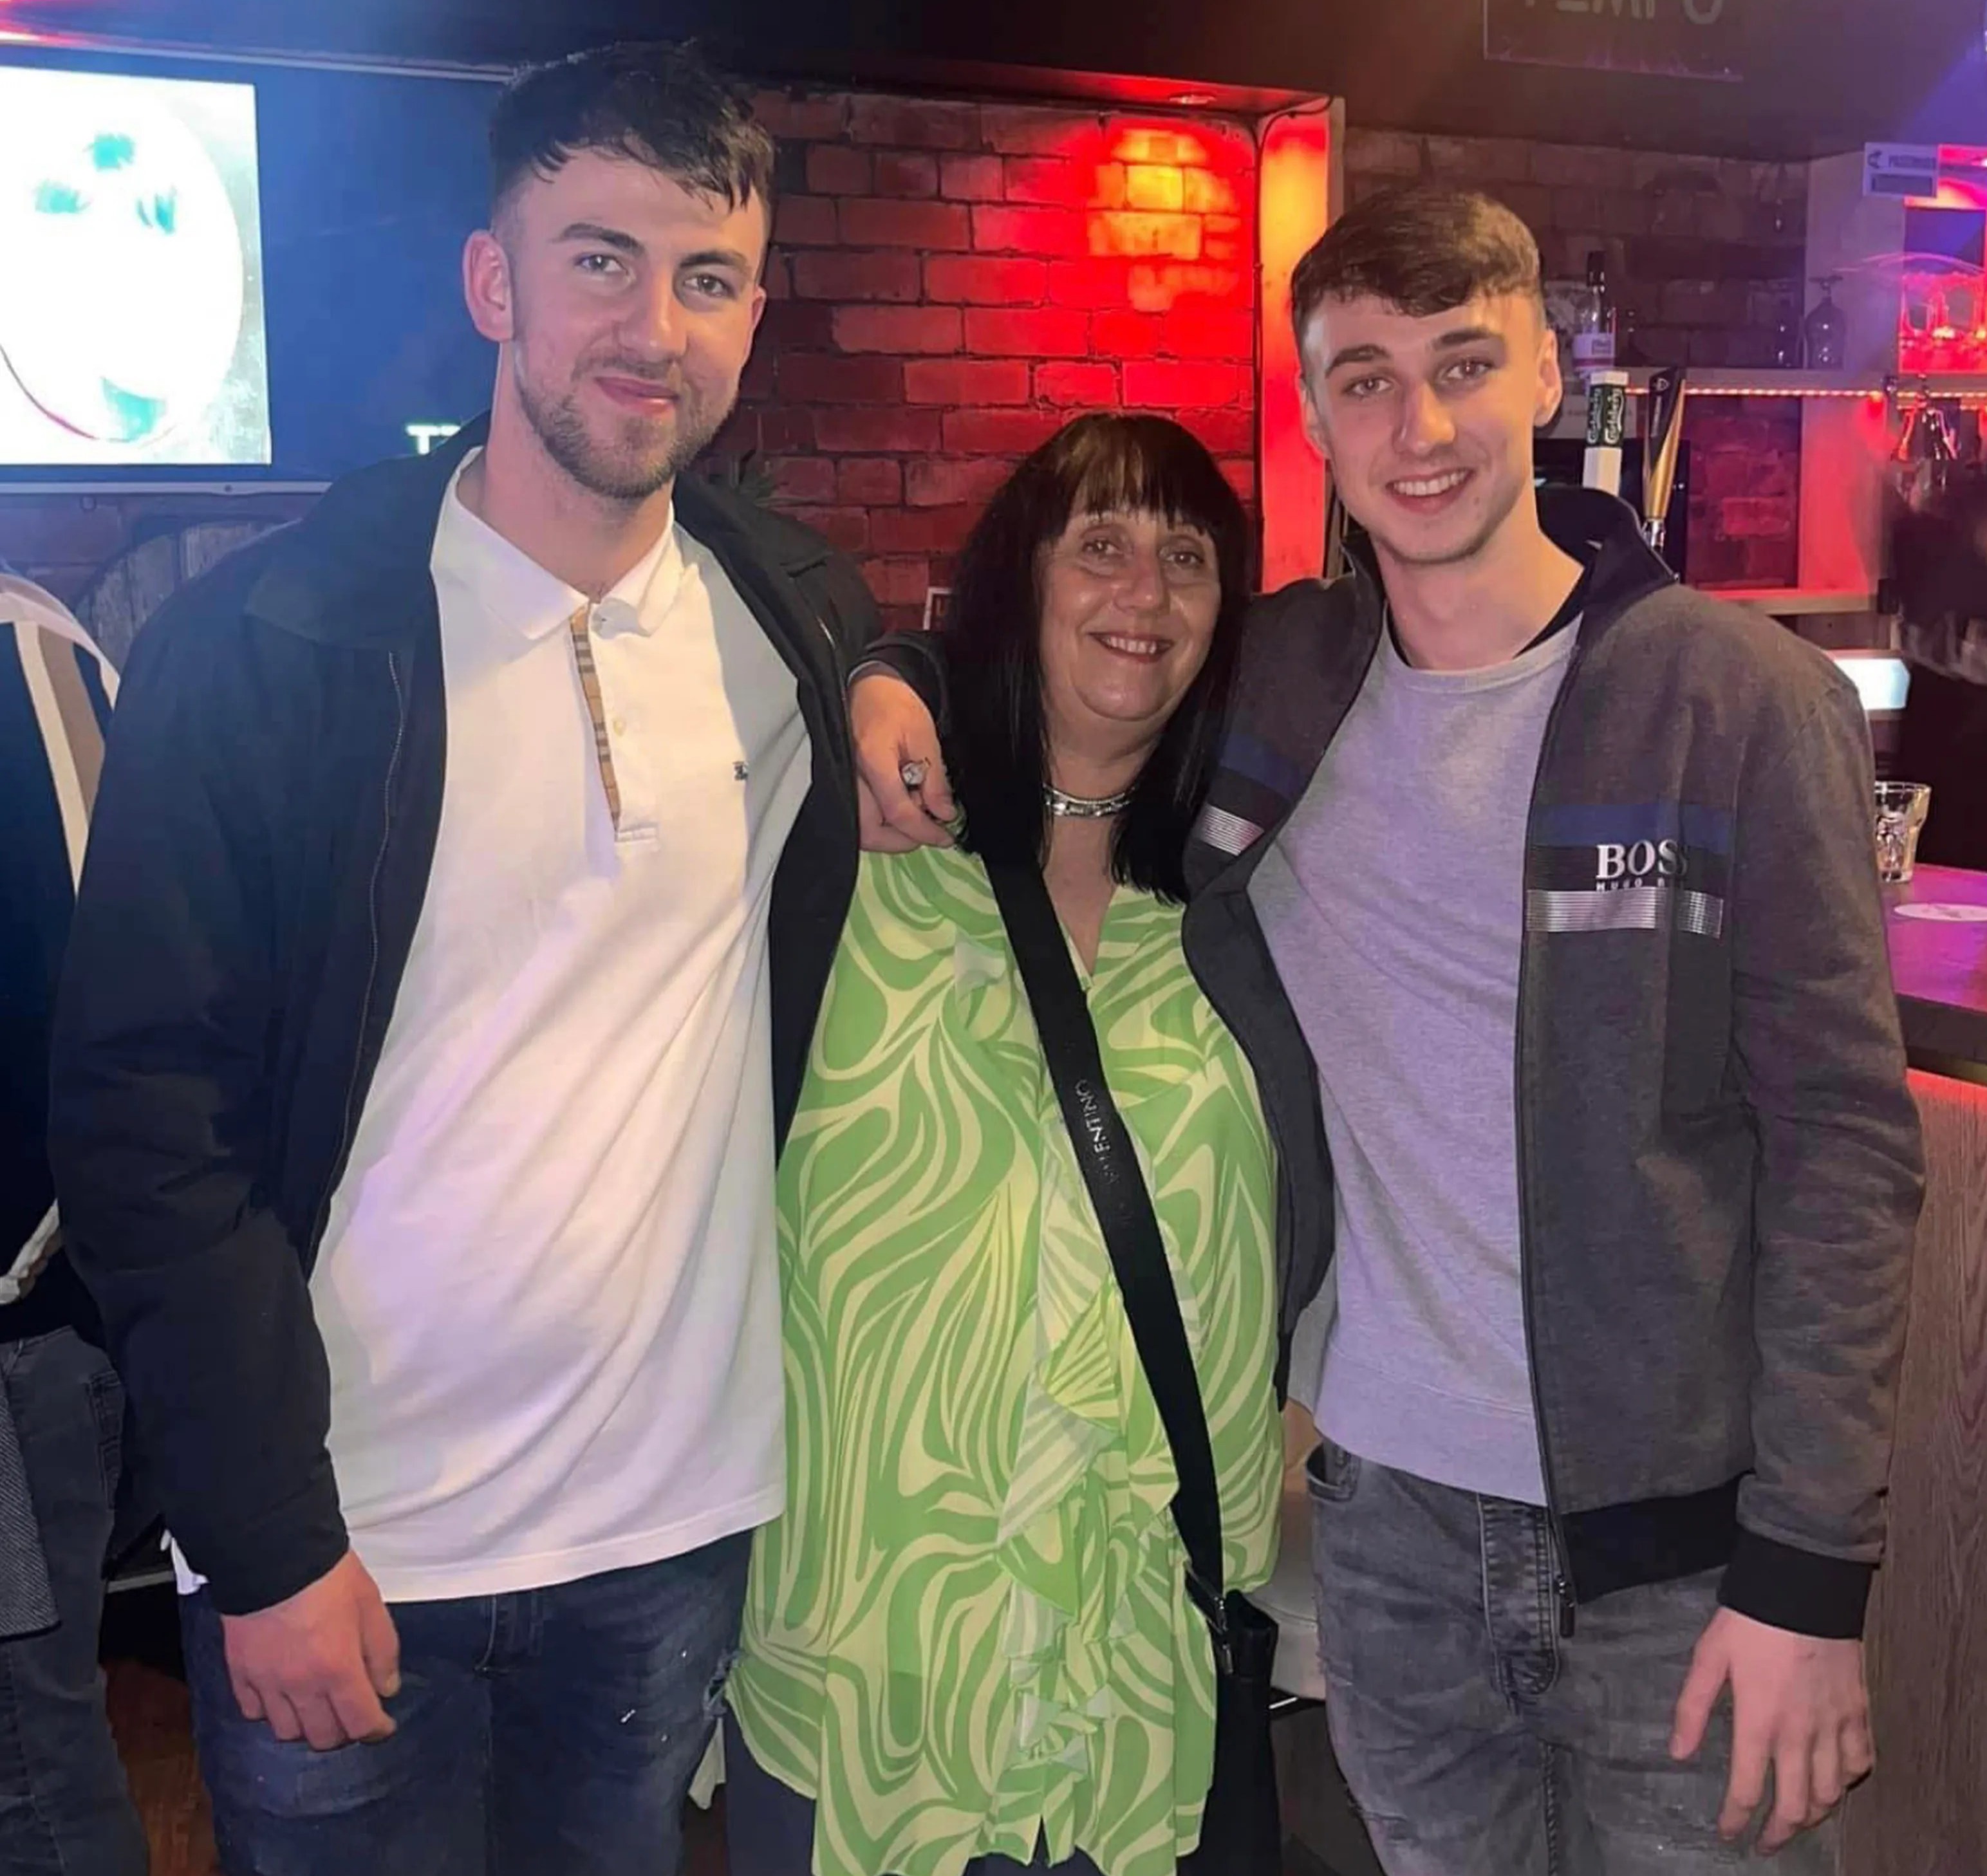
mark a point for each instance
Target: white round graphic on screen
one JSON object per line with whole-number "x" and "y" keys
{"x": 125, "y": 266}
{"x": 1946, "y": 913}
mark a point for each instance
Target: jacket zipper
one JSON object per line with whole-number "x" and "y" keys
{"x": 373, "y": 929}
{"x": 1556, "y": 1524}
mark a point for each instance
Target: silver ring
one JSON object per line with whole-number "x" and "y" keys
{"x": 912, "y": 776}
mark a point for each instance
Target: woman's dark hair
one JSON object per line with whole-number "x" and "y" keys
{"x": 996, "y": 748}
{"x": 663, "y": 106}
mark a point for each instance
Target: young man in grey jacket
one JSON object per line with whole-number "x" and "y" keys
{"x": 1567, "y": 873}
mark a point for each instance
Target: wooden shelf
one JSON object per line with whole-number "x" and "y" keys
{"x": 1794, "y": 601}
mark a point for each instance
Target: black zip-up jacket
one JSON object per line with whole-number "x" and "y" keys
{"x": 1719, "y": 1157}
{"x": 262, "y": 844}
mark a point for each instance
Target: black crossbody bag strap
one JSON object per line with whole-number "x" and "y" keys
{"x": 1124, "y": 1209}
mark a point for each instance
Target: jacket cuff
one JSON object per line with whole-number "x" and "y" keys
{"x": 908, "y": 656}
{"x": 261, "y": 1565}
{"x": 1798, "y": 1590}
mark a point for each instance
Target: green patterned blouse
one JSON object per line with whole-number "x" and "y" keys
{"x": 969, "y": 1632}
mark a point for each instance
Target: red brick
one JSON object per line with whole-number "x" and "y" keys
{"x": 1140, "y": 234}
{"x": 1080, "y": 386}
{"x": 985, "y": 282}
{"x": 756, "y": 383}
{"x": 834, "y": 169}
{"x": 802, "y": 478}
{"x": 847, "y": 528}
{"x": 939, "y": 482}
{"x": 922, "y": 124}
{"x": 1208, "y": 331}
{"x": 886, "y": 432}
{"x": 815, "y": 378}
{"x": 847, "y": 274}
{"x": 1166, "y": 385}
{"x": 805, "y": 221}
{"x": 868, "y": 481}
{"x": 898, "y": 582}
{"x": 1204, "y": 193}
{"x": 1090, "y": 283}
{"x": 1749, "y": 518}
{"x": 1045, "y": 332}
{"x": 870, "y": 223}
{"x": 784, "y": 427}
{"x": 897, "y": 328}
{"x": 1152, "y": 289}
{"x": 972, "y": 179}
{"x": 1029, "y": 130}
{"x": 1146, "y": 144}
{"x": 899, "y": 173}
{"x": 779, "y": 279}
{"x": 796, "y": 326}
{"x": 902, "y": 618}
{"x": 801, "y": 116}
{"x": 1241, "y": 476}
{"x": 999, "y": 433}
{"x": 1051, "y": 182}
{"x": 1226, "y": 237}
{"x": 1028, "y": 230}
{"x": 1127, "y": 335}
{"x": 1231, "y": 431}
{"x": 966, "y": 381}
{"x": 1161, "y": 186}
{"x": 923, "y": 530}
{"x": 740, "y": 435}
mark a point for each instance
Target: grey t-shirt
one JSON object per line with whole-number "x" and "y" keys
{"x": 1394, "y": 904}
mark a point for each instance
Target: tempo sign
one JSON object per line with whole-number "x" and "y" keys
{"x": 1681, "y": 38}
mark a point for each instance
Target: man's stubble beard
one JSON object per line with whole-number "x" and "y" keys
{"x": 563, "y": 434}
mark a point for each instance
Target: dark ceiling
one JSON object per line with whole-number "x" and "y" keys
{"x": 1821, "y": 75}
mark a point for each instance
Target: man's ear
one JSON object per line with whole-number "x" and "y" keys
{"x": 1313, "y": 418}
{"x": 488, "y": 287}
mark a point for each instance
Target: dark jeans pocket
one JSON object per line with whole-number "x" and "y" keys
{"x": 1332, "y": 1474}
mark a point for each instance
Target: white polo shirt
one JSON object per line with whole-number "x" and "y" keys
{"x": 548, "y": 1287}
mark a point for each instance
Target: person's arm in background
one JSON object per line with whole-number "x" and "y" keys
{"x": 160, "y": 1109}
{"x": 896, "y": 704}
{"x": 1818, "y": 1047}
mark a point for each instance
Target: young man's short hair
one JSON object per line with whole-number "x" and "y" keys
{"x": 1424, "y": 251}
{"x": 660, "y": 105}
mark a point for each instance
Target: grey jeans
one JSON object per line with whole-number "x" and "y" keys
{"x": 1478, "y": 1741}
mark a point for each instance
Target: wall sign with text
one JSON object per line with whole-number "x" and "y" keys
{"x": 1681, "y": 38}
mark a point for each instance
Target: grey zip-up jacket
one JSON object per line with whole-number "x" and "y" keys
{"x": 1718, "y": 1157}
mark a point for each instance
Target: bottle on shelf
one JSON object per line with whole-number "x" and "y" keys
{"x": 1787, "y": 349}
{"x": 1827, "y": 330}
{"x": 1593, "y": 334}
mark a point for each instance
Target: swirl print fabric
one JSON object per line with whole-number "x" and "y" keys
{"x": 968, "y": 1635}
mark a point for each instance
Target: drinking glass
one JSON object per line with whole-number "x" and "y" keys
{"x": 1902, "y": 808}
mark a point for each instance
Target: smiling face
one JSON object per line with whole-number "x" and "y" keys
{"x": 1128, "y": 604}
{"x": 624, "y": 305}
{"x": 1427, "y": 422}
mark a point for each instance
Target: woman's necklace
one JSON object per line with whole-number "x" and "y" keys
{"x": 1083, "y": 807}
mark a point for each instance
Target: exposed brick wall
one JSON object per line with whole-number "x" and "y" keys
{"x": 952, "y": 281}
{"x": 65, "y": 542}
{"x": 1702, "y": 256}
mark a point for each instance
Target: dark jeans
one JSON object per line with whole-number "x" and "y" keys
{"x": 548, "y": 1733}
{"x": 1479, "y": 1742}
{"x": 769, "y": 1826}
{"x": 65, "y": 1808}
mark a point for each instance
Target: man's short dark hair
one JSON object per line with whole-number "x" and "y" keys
{"x": 1422, "y": 250}
{"x": 663, "y": 106}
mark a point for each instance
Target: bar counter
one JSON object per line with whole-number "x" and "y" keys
{"x": 1924, "y": 1812}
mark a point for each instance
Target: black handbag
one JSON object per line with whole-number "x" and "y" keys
{"x": 1241, "y": 1831}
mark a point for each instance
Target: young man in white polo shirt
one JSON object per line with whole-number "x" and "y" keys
{"x": 467, "y": 870}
